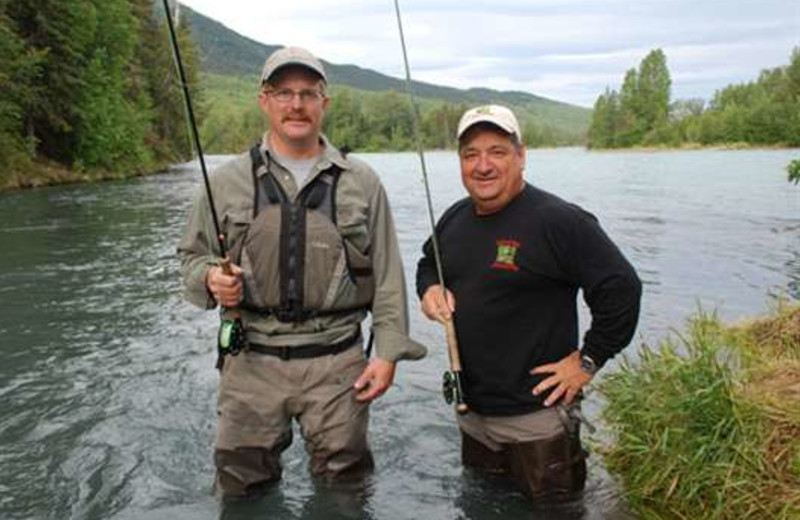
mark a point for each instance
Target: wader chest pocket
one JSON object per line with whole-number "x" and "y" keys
{"x": 297, "y": 263}
{"x": 311, "y": 268}
{"x": 235, "y": 224}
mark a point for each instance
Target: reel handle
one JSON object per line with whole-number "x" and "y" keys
{"x": 225, "y": 265}
{"x": 455, "y": 366}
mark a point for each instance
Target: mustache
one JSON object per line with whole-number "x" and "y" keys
{"x": 300, "y": 118}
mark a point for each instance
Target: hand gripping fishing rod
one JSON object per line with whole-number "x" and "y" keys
{"x": 451, "y": 384}
{"x": 231, "y": 332}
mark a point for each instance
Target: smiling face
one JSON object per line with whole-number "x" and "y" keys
{"x": 492, "y": 163}
{"x": 294, "y": 102}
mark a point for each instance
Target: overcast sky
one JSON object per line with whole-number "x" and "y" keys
{"x": 568, "y": 50}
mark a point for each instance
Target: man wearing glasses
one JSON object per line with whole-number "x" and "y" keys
{"x": 314, "y": 249}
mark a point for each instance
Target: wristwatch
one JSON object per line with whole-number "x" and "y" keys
{"x": 588, "y": 365}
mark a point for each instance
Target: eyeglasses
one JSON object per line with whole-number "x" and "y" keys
{"x": 286, "y": 95}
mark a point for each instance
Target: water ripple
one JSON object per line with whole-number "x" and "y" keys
{"x": 108, "y": 382}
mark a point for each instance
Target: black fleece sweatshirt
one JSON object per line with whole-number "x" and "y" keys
{"x": 515, "y": 275}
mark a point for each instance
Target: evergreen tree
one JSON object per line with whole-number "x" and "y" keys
{"x": 113, "y": 123}
{"x": 605, "y": 119}
{"x": 92, "y": 83}
{"x": 61, "y": 32}
{"x": 653, "y": 91}
{"x": 639, "y": 113}
{"x": 18, "y": 67}
{"x": 629, "y": 125}
{"x": 155, "y": 64}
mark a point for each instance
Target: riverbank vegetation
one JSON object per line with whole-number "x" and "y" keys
{"x": 708, "y": 425}
{"x": 89, "y": 91}
{"x": 762, "y": 112}
{"x": 360, "y": 120}
{"x": 369, "y": 111}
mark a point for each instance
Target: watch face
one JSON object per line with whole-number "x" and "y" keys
{"x": 588, "y": 365}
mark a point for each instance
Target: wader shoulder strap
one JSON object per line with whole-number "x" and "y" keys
{"x": 268, "y": 191}
{"x": 318, "y": 195}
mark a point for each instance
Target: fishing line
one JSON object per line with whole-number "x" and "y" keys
{"x": 452, "y": 387}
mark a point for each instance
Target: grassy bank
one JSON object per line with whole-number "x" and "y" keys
{"x": 48, "y": 173}
{"x": 708, "y": 425}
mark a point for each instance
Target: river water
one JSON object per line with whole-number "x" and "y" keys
{"x": 107, "y": 380}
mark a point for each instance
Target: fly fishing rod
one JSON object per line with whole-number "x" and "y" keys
{"x": 231, "y": 332}
{"x": 451, "y": 384}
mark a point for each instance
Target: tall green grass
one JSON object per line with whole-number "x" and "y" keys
{"x": 707, "y": 425}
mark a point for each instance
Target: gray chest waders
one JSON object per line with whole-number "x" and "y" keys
{"x": 297, "y": 264}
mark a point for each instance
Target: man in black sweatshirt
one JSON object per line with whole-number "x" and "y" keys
{"x": 514, "y": 258}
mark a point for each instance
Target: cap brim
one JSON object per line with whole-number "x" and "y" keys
{"x": 302, "y": 64}
{"x": 487, "y": 119}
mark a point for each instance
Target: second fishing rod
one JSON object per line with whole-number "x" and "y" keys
{"x": 452, "y": 385}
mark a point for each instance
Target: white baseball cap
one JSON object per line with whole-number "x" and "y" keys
{"x": 497, "y": 115}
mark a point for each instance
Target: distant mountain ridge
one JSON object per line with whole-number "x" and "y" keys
{"x": 224, "y": 51}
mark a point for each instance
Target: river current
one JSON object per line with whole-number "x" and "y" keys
{"x": 108, "y": 383}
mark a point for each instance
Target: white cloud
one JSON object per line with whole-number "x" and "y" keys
{"x": 568, "y": 50}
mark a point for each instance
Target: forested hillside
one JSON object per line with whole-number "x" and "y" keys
{"x": 361, "y": 120}
{"x": 89, "y": 90}
{"x": 370, "y": 110}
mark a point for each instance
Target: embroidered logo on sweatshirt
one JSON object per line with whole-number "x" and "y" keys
{"x": 506, "y": 252}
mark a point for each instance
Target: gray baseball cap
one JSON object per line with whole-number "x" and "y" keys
{"x": 291, "y": 56}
